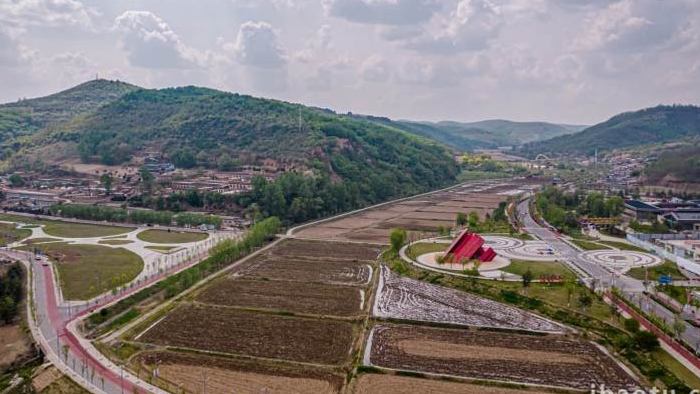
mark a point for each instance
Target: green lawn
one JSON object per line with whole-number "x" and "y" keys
{"x": 539, "y": 268}
{"x": 8, "y": 217}
{"x": 9, "y": 233}
{"x": 162, "y": 248}
{"x": 89, "y": 270}
{"x": 588, "y": 245}
{"x": 39, "y": 240}
{"x": 677, "y": 368}
{"x": 623, "y": 246}
{"x": 115, "y": 241}
{"x": 667, "y": 268}
{"x": 170, "y": 237}
{"x": 421, "y": 248}
{"x": 81, "y": 230}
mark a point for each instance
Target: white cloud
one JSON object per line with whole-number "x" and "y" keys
{"x": 471, "y": 26}
{"x": 150, "y": 42}
{"x": 375, "y": 69}
{"x": 45, "y": 13}
{"x": 384, "y": 12}
{"x": 633, "y": 26}
{"x": 12, "y": 53}
{"x": 257, "y": 46}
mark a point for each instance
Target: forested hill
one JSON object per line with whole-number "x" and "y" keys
{"x": 199, "y": 127}
{"x": 652, "y": 125}
{"x": 27, "y": 116}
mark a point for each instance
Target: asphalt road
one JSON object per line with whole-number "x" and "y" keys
{"x": 633, "y": 289}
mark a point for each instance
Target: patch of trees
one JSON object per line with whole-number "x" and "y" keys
{"x": 120, "y": 215}
{"x": 11, "y": 292}
{"x": 561, "y": 209}
{"x": 180, "y": 201}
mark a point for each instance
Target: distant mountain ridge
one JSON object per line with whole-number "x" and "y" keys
{"x": 663, "y": 123}
{"x": 482, "y": 134}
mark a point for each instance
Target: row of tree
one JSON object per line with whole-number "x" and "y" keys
{"x": 561, "y": 209}
{"x": 11, "y": 291}
{"x": 120, "y": 215}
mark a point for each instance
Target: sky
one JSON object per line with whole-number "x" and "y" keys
{"x": 567, "y": 61}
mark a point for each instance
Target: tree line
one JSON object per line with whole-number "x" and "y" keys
{"x": 121, "y": 215}
{"x": 11, "y": 292}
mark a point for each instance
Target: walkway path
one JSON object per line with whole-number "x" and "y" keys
{"x": 53, "y": 321}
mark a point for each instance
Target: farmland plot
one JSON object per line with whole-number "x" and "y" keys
{"x": 393, "y": 384}
{"x": 409, "y": 299}
{"x": 549, "y": 360}
{"x": 298, "y": 297}
{"x": 227, "y": 330}
{"x": 237, "y": 375}
{"x": 298, "y": 269}
{"x": 332, "y": 250}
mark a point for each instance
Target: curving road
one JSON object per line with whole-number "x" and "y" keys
{"x": 594, "y": 274}
{"x": 53, "y": 321}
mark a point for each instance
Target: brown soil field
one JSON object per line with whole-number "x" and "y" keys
{"x": 226, "y": 375}
{"x": 340, "y": 250}
{"x": 351, "y": 222}
{"x": 13, "y": 344}
{"x": 321, "y": 232}
{"x": 448, "y": 216}
{"x": 402, "y": 208}
{"x": 372, "y": 235}
{"x": 298, "y": 269}
{"x": 233, "y": 331}
{"x": 298, "y": 297}
{"x": 551, "y": 360}
{"x": 377, "y": 214}
{"x": 393, "y": 384}
{"x": 416, "y": 224}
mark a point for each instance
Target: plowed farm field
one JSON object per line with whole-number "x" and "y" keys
{"x": 228, "y": 375}
{"x": 426, "y": 213}
{"x": 306, "y": 270}
{"x": 548, "y": 360}
{"x": 392, "y": 384}
{"x": 227, "y": 330}
{"x": 299, "y": 297}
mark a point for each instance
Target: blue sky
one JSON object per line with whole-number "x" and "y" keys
{"x": 558, "y": 60}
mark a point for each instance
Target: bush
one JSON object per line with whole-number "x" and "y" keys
{"x": 631, "y": 325}
{"x": 646, "y": 341}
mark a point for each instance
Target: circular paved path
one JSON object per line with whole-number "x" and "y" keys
{"x": 621, "y": 260}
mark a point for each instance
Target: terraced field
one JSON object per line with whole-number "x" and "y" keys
{"x": 549, "y": 360}
{"x": 408, "y": 299}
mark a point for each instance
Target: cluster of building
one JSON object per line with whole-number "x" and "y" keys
{"x": 677, "y": 214}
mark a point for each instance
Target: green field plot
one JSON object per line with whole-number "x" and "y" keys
{"x": 588, "y": 245}
{"x": 89, "y": 270}
{"x": 165, "y": 249}
{"x": 40, "y": 240}
{"x": 653, "y": 273}
{"x": 115, "y": 242}
{"x": 539, "y": 269}
{"x": 421, "y": 248}
{"x": 170, "y": 237}
{"x": 82, "y": 230}
{"x": 623, "y": 246}
{"x": 9, "y": 233}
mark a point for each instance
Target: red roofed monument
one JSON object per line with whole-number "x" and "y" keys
{"x": 469, "y": 246}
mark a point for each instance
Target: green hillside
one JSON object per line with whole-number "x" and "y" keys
{"x": 676, "y": 165}
{"x": 199, "y": 127}
{"x": 651, "y": 125}
{"x": 26, "y": 116}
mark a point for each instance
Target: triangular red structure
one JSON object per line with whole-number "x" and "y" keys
{"x": 469, "y": 246}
